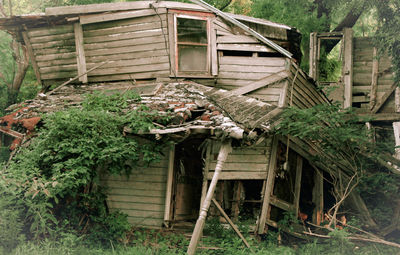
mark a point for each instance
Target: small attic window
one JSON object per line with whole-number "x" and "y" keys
{"x": 192, "y": 48}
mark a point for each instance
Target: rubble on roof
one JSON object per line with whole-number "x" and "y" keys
{"x": 191, "y": 106}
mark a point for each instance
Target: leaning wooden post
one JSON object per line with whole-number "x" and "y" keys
{"x": 198, "y": 229}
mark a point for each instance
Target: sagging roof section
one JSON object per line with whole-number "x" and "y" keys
{"x": 189, "y": 105}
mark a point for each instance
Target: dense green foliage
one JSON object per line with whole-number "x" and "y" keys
{"x": 53, "y": 186}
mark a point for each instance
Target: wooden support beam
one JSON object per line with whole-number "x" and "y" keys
{"x": 268, "y": 186}
{"x": 168, "y": 192}
{"x": 237, "y": 189}
{"x": 297, "y": 185}
{"x": 230, "y": 222}
{"x": 380, "y": 102}
{"x": 396, "y": 131}
{"x": 213, "y": 48}
{"x": 226, "y": 148}
{"x": 103, "y": 17}
{"x": 267, "y": 80}
{"x": 313, "y": 70}
{"x": 80, "y": 52}
{"x": 374, "y": 81}
{"x": 32, "y": 56}
{"x": 318, "y": 197}
{"x": 348, "y": 67}
{"x": 397, "y": 99}
{"x": 205, "y": 172}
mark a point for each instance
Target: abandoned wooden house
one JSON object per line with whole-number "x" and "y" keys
{"x": 224, "y": 76}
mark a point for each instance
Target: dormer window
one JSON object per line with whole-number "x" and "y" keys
{"x": 192, "y": 47}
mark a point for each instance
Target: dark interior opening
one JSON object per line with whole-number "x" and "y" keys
{"x": 188, "y": 167}
{"x": 306, "y": 204}
{"x": 329, "y": 199}
{"x": 269, "y": 55}
{"x": 234, "y": 53}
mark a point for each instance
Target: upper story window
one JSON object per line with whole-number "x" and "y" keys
{"x": 192, "y": 49}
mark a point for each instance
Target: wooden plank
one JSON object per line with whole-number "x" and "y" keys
{"x": 145, "y": 222}
{"x": 125, "y": 36}
{"x": 397, "y": 99}
{"x": 137, "y": 206}
{"x": 60, "y": 62}
{"x": 396, "y": 131}
{"x": 139, "y": 185}
{"x": 130, "y": 69}
{"x": 56, "y": 53}
{"x": 123, "y": 43}
{"x": 32, "y": 56}
{"x": 260, "y": 83}
{"x": 80, "y": 53}
{"x": 59, "y": 75}
{"x": 348, "y": 66}
{"x": 130, "y": 77}
{"x": 143, "y": 214}
{"x": 132, "y": 191}
{"x": 59, "y": 68}
{"x": 244, "y": 47}
{"x": 137, "y": 199}
{"x": 129, "y": 27}
{"x": 133, "y": 62}
{"x": 128, "y": 56}
{"x": 93, "y": 8}
{"x": 318, "y": 197}
{"x": 50, "y": 30}
{"x": 237, "y": 39}
{"x": 103, "y": 17}
{"x": 244, "y": 166}
{"x": 172, "y": 45}
{"x": 281, "y": 204}
{"x": 283, "y": 98}
{"x": 380, "y": 102}
{"x": 213, "y": 49}
{"x": 242, "y": 76}
{"x": 125, "y": 49}
{"x": 268, "y": 187}
{"x": 168, "y": 192}
{"x": 240, "y": 158}
{"x": 251, "y": 68}
{"x": 50, "y": 38}
{"x": 274, "y": 61}
{"x": 54, "y": 44}
{"x": 313, "y": 70}
{"x": 142, "y": 178}
{"x": 297, "y": 185}
{"x": 228, "y": 175}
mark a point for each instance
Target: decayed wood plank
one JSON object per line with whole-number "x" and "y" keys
{"x": 251, "y": 69}
{"x": 242, "y": 76}
{"x": 127, "y": 56}
{"x": 243, "y": 166}
{"x": 260, "y": 83}
{"x": 237, "y": 39}
{"x": 122, "y": 43}
{"x": 55, "y": 52}
{"x": 205, "y": 172}
{"x": 49, "y": 38}
{"x": 131, "y": 69}
{"x": 46, "y": 31}
{"x": 297, "y": 185}
{"x": 96, "y": 18}
{"x": 230, "y": 222}
{"x": 54, "y": 44}
{"x": 125, "y": 49}
{"x": 348, "y": 66}
{"x": 240, "y": 158}
{"x": 168, "y": 192}
{"x": 58, "y": 68}
{"x": 313, "y": 56}
{"x": 172, "y": 45}
{"x": 129, "y": 27}
{"x": 283, "y": 98}
{"x": 396, "y": 130}
{"x": 32, "y": 56}
{"x": 318, "y": 197}
{"x": 213, "y": 49}
{"x": 397, "y": 99}
{"x": 134, "y": 62}
{"x": 139, "y": 185}
{"x": 80, "y": 53}
{"x": 244, "y": 47}
{"x": 125, "y": 36}
{"x": 268, "y": 186}
{"x": 380, "y": 102}
{"x": 260, "y": 61}
{"x": 130, "y": 76}
{"x": 144, "y": 214}
{"x": 137, "y": 206}
{"x": 281, "y": 204}
{"x": 242, "y": 175}
{"x": 137, "y": 199}
{"x": 57, "y": 62}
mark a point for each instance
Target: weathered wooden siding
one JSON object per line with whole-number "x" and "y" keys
{"x": 362, "y": 74}
{"x": 305, "y": 94}
{"x": 142, "y": 195}
{"x": 54, "y": 51}
{"x": 138, "y": 46}
{"x": 242, "y": 163}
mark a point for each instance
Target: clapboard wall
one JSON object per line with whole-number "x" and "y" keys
{"x": 142, "y": 195}
{"x": 243, "y": 163}
{"x": 363, "y": 58}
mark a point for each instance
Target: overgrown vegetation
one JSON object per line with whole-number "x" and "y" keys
{"x": 53, "y": 185}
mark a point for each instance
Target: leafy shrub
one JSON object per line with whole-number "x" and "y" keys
{"x": 57, "y": 177}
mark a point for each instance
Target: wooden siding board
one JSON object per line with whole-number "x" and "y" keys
{"x": 104, "y": 17}
{"x": 125, "y": 49}
{"x": 80, "y": 53}
{"x": 250, "y": 68}
{"x": 118, "y": 29}
{"x": 129, "y": 69}
{"x": 123, "y": 43}
{"x": 124, "y": 36}
{"x": 131, "y": 76}
{"x": 263, "y": 61}
{"x": 127, "y": 56}
{"x": 244, "y": 47}
{"x": 52, "y": 30}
